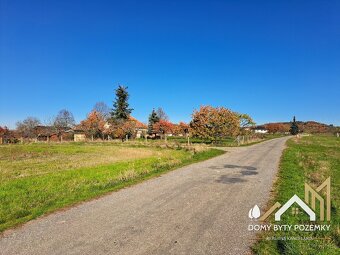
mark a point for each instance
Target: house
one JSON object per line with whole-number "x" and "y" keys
{"x": 46, "y": 133}
{"x": 50, "y": 133}
{"x": 260, "y": 130}
{"x": 141, "y": 128}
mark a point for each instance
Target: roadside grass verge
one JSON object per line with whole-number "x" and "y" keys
{"x": 310, "y": 159}
{"x": 227, "y": 142}
{"x": 56, "y": 184}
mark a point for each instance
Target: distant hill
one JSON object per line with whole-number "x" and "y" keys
{"x": 304, "y": 126}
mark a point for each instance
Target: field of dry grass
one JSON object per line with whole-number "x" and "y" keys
{"x": 19, "y": 161}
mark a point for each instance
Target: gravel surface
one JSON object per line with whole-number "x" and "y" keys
{"x": 198, "y": 209}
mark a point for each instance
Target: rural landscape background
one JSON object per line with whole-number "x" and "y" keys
{"x": 204, "y": 108}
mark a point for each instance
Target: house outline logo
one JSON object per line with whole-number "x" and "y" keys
{"x": 309, "y": 205}
{"x": 289, "y": 203}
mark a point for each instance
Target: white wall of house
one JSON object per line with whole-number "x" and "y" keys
{"x": 261, "y": 131}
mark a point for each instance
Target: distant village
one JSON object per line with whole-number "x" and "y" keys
{"x": 103, "y": 123}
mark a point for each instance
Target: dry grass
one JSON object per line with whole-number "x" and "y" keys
{"x": 17, "y": 162}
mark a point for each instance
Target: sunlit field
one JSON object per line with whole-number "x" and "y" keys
{"x": 40, "y": 178}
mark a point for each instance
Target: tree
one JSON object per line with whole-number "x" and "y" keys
{"x": 3, "y": 131}
{"x": 245, "y": 120}
{"x": 27, "y": 126}
{"x": 161, "y": 114}
{"x": 121, "y": 110}
{"x": 153, "y": 118}
{"x": 5, "y": 135}
{"x": 245, "y": 123}
{"x": 294, "y": 129}
{"x": 181, "y": 129}
{"x": 63, "y": 121}
{"x": 214, "y": 123}
{"x": 163, "y": 127}
{"x": 94, "y": 125}
{"x": 121, "y": 129}
{"x": 103, "y": 109}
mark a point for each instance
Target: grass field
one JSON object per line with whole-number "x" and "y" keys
{"x": 309, "y": 159}
{"x": 227, "y": 142}
{"x": 36, "y": 179}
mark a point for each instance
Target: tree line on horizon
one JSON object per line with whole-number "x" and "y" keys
{"x": 211, "y": 123}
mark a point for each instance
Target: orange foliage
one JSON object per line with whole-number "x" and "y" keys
{"x": 214, "y": 123}
{"x": 163, "y": 127}
{"x": 94, "y": 125}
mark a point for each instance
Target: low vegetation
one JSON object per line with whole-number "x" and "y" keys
{"x": 39, "y": 178}
{"x": 310, "y": 159}
{"x": 228, "y": 141}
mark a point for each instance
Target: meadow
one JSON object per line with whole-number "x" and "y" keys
{"x": 36, "y": 179}
{"x": 245, "y": 140}
{"x": 310, "y": 159}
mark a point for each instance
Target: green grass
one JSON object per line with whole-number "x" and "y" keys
{"x": 309, "y": 159}
{"x": 226, "y": 142}
{"x": 39, "y": 178}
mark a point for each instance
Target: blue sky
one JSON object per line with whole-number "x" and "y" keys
{"x": 270, "y": 59}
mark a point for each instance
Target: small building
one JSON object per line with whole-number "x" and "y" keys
{"x": 79, "y": 136}
{"x": 260, "y": 130}
{"x": 46, "y": 133}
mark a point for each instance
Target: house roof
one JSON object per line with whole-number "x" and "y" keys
{"x": 138, "y": 123}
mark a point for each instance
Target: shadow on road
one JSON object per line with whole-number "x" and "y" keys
{"x": 245, "y": 171}
{"x": 243, "y": 167}
{"x": 226, "y": 179}
{"x": 248, "y": 172}
{"x": 233, "y": 166}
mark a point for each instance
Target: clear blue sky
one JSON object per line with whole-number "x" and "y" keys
{"x": 271, "y": 59}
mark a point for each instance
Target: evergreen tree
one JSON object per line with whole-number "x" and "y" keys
{"x": 153, "y": 118}
{"x": 121, "y": 110}
{"x": 294, "y": 129}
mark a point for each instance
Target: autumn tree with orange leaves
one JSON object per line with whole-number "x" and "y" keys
{"x": 276, "y": 128}
{"x": 122, "y": 129}
{"x": 181, "y": 129}
{"x": 163, "y": 127}
{"x": 214, "y": 123}
{"x": 94, "y": 125}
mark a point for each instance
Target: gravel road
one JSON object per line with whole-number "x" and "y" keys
{"x": 198, "y": 209}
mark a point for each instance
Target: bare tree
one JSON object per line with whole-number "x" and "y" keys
{"x": 63, "y": 121}
{"x": 161, "y": 114}
{"x": 103, "y": 109}
{"x": 27, "y": 126}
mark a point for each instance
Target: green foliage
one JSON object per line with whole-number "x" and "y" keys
{"x": 153, "y": 118}
{"x": 121, "y": 110}
{"x": 294, "y": 129}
